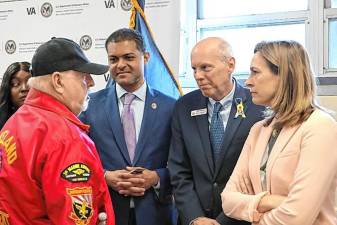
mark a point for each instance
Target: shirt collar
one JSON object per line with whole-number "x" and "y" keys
{"x": 44, "y": 101}
{"x": 140, "y": 93}
{"x": 225, "y": 100}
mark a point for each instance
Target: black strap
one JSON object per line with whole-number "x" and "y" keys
{"x": 272, "y": 139}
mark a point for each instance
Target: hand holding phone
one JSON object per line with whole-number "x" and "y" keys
{"x": 137, "y": 171}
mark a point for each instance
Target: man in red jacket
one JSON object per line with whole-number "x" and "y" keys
{"x": 50, "y": 172}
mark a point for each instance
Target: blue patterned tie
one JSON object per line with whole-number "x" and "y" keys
{"x": 217, "y": 130}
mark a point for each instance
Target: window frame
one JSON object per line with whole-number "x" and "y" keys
{"x": 316, "y": 33}
{"x": 329, "y": 14}
{"x": 237, "y": 22}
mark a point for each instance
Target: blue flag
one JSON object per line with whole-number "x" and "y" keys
{"x": 158, "y": 74}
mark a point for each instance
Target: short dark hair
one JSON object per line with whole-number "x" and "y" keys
{"x": 126, "y": 34}
{"x": 7, "y": 108}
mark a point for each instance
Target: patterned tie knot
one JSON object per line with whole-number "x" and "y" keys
{"x": 217, "y": 107}
{"x": 128, "y": 98}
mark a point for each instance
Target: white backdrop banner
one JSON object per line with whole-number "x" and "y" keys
{"x": 25, "y": 24}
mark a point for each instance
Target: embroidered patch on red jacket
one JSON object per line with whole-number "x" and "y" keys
{"x": 76, "y": 172}
{"x": 81, "y": 198}
{"x": 4, "y": 217}
{"x": 8, "y": 144}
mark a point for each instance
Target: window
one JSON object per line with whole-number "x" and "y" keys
{"x": 225, "y": 8}
{"x": 188, "y": 21}
{"x": 243, "y": 50}
{"x": 333, "y": 3}
{"x": 333, "y": 44}
{"x": 313, "y": 23}
{"x": 245, "y": 23}
{"x": 330, "y": 38}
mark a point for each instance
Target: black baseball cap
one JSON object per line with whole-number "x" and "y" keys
{"x": 61, "y": 54}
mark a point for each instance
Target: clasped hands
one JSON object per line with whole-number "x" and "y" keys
{"x": 130, "y": 184}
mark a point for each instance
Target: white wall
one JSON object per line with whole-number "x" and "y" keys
{"x": 30, "y": 23}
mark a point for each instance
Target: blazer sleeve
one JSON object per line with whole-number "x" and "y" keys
{"x": 313, "y": 177}
{"x": 234, "y": 203}
{"x": 186, "y": 198}
{"x": 164, "y": 193}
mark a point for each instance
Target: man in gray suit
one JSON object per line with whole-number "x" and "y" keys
{"x": 209, "y": 128}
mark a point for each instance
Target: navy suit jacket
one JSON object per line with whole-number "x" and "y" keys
{"x": 151, "y": 151}
{"x": 197, "y": 180}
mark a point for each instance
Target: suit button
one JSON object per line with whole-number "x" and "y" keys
{"x": 215, "y": 184}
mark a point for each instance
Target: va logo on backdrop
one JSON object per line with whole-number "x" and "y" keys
{"x": 10, "y": 47}
{"x": 126, "y": 5}
{"x": 85, "y": 42}
{"x": 46, "y": 9}
{"x": 109, "y": 4}
{"x": 31, "y": 11}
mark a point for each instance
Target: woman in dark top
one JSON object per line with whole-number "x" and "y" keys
{"x": 13, "y": 89}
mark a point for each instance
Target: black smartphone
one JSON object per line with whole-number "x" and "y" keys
{"x": 137, "y": 171}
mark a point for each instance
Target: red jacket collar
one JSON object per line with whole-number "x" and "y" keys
{"x": 44, "y": 101}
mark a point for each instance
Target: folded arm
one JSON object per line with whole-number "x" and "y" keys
{"x": 239, "y": 200}
{"x": 313, "y": 177}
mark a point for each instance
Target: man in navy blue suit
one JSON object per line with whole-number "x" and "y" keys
{"x": 130, "y": 125}
{"x": 209, "y": 128}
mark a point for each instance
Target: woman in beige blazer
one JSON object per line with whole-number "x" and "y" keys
{"x": 287, "y": 171}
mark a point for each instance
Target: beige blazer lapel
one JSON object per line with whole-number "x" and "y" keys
{"x": 259, "y": 149}
{"x": 283, "y": 139}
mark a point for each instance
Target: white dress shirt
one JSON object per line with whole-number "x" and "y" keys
{"x": 137, "y": 104}
{"x": 226, "y": 103}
